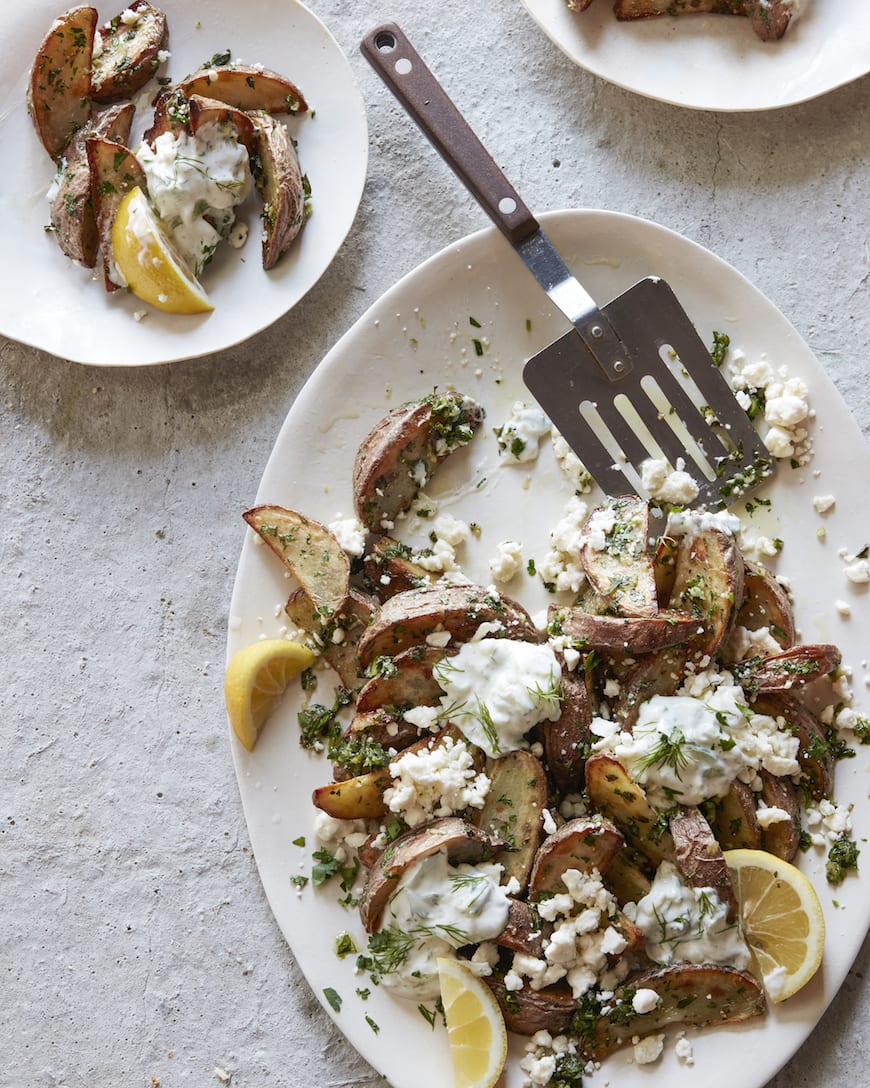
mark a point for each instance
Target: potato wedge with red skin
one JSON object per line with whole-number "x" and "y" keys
{"x": 389, "y": 568}
{"x": 528, "y": 1011}
{"x": 623, "y": 634}
{"x": 642, "y": 677}
{"x": 615, "y": 560}
{"x": 513, "y": 810}
{"x": 696, "y": 995}
{"x": 566, "y": 740}
{"x": 171, "y": 114}
{"x": 407, "y": 682}
{"x": 614, "y": 794}
{"x": 310, "y": 552}
{"x": 399, "y": 454}
{"x": 814, "y": 752}
{"x": 339, "y": 632}
{"x": 735, "y": 823}
{"x": 582, "y": 844}
{"x": 463, "y": 842}
{"x": 113, "y": 171}
{"x": 73, "y": 209}
{"x": 783, "y": 837}
{"x": 129, "y": 53}
{"x": 357, "y": 798}
{"x": 524, "y": 931}
{"x": 208, "y": 111}
{"x": 708, "y": 585}
{"x": 770, "y": 18}
{"x": 278, "y": 179}
{"x": 642, "y": 9}
{"x": 782, "y": 673}
{"x": 628, "y": 876}
{"x": 766, "y": 604}
{"x": 60, "y": 80}
{"x": 408, "y": 618}
{"x": 246, "y": 87}
{"x": 698, "y": 856}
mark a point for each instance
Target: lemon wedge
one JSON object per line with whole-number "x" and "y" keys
{"x": 782, "y": 920}
{"x": 475, "y": 1026}
{"x": 256, "y": 678}
{"x": 149, "y": 262}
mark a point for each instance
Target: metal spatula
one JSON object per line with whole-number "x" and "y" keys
{"x": 632, "y": 380}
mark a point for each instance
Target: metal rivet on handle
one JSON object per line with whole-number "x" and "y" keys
{"x": 507, "y": 205}
{"x": 403, "y": 66}
{"x": 597, "y": 331}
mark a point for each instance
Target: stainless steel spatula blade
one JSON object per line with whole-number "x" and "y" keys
{"x": 632, "y": 380}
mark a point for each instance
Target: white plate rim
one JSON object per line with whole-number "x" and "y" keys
{"x": 714, "y": 62}
{"x": 52, "y": 305}
{"x": 761, "y": 1051}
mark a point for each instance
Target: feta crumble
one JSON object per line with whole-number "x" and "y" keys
{"x": 435, "y": 781}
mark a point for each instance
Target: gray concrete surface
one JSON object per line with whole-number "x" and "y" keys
{"x": 135, "y": 941}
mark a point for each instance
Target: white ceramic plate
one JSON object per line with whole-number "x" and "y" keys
{"x": 419, "y": 336}
{"x": 50, "y": 303}
{"x": 715, "y": 62}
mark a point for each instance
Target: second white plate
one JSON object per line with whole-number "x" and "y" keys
{"x": 52, "y": 304}
{"x": 715, "y": 62}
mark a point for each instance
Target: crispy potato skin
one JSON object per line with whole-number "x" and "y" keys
{"x": 624, "y": 634}
{"x": 389, "y": 569}
{"x": 566, "y": 740}
{"x": 765, "y": 604}
{"x": 698, "y": 856}
{"x": 129, "y": 56}
{"x": 580, "y": 844}
{"x": 246, "y": 88}
{"x": 527, "y": 1011}
{"x": 781, "y": 673}
{"x": 113, "y": 171}
{"x": 206, "y": 111}
{"x": 814, "y": 753}
{"x": 73, "y": 209}
{"x": 279, "y": 182}
{"x": 60, "y": 79}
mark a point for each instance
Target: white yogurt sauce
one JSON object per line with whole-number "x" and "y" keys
{"x": 191, "y": 177}
{"x": 687, "y": 924}
{"x": 497, "y": 689}
{"x": 441, "y": 907}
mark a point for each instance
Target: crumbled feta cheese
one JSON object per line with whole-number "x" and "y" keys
{"x": 435, "y": 781}
{"x": 648, "y": 1049}
{"x": 507, "y": 561}
{"x": 823, "y": 503}
{"x": 857, "y": 570}
{"x": 561, "y": 566}
{"x": 572, "y": 467}
{"x": 676, "y": 487}
{"x": 743, "y": 644}
{"x": 549, "y": 824}
{"x": 684, "y": 1051}
{"x": 644, "y": 1000}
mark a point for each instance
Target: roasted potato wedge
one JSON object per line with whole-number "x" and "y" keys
{"x": 523, "y": 931}
{"x": 708, "y": 585}
{"x": 643, "y": 677}
{"x": 513, "y": 810}
{"x": 698, "y": 856}
{"x": 770, "y": 18}
{"x": 398, "y": 456}
{"x": 339, "y": 633}
{"x": 60, "y": 79}
{"x": 246, "y": 87}
{"x": 782, "y": 673}
{"x": 782, "y": 838}
{"x": 566, "y": 740}
{"x": 208, "y": 111}
{"x": 528, "y": 1011}
{"x": 309, "y": 551}
{"x": 613, "y": 794}
{"x": 665, "y": 569}
{"x": 73, "y": 216}
{"x": 408, "y": 618}
{"x": 128, "y": 52}
{"x": 171, "y": 114}
{"x": 463, "y": 842}
{"x": 734, "y": 821}
{"x": 279, "y": 182}
{"x": 624, "y": 634}
{"x": 582, "y": 844}
{"x": 613, "y": 551}
{"x": 406, "y": 682}
{"x": 389, "y": 569}
{"x": 766, "y": 604}
{"x": 691, "y": 994}
{"x": 814, "y": 753}
{"x": 114, "y": 170}
{"x": 627, "y": 876}
{"x": 376, "y": 727}
{"x": 357, "y": 798}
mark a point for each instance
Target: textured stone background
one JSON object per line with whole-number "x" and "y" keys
{"x": 135, "y": 940}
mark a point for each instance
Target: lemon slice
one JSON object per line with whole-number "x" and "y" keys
{"x": 149, "y": 262}
{"x": 256, "y": 678}
{"x": 475, "y": 1026}
{"x": 782, "y": 920}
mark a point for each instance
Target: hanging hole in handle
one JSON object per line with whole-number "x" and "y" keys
{"x": 385, "y": 42}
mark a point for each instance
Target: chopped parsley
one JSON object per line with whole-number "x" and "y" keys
{"x": 333, "y": 998}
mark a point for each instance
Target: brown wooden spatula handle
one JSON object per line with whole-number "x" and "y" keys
{"x": 405, "y": 73}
